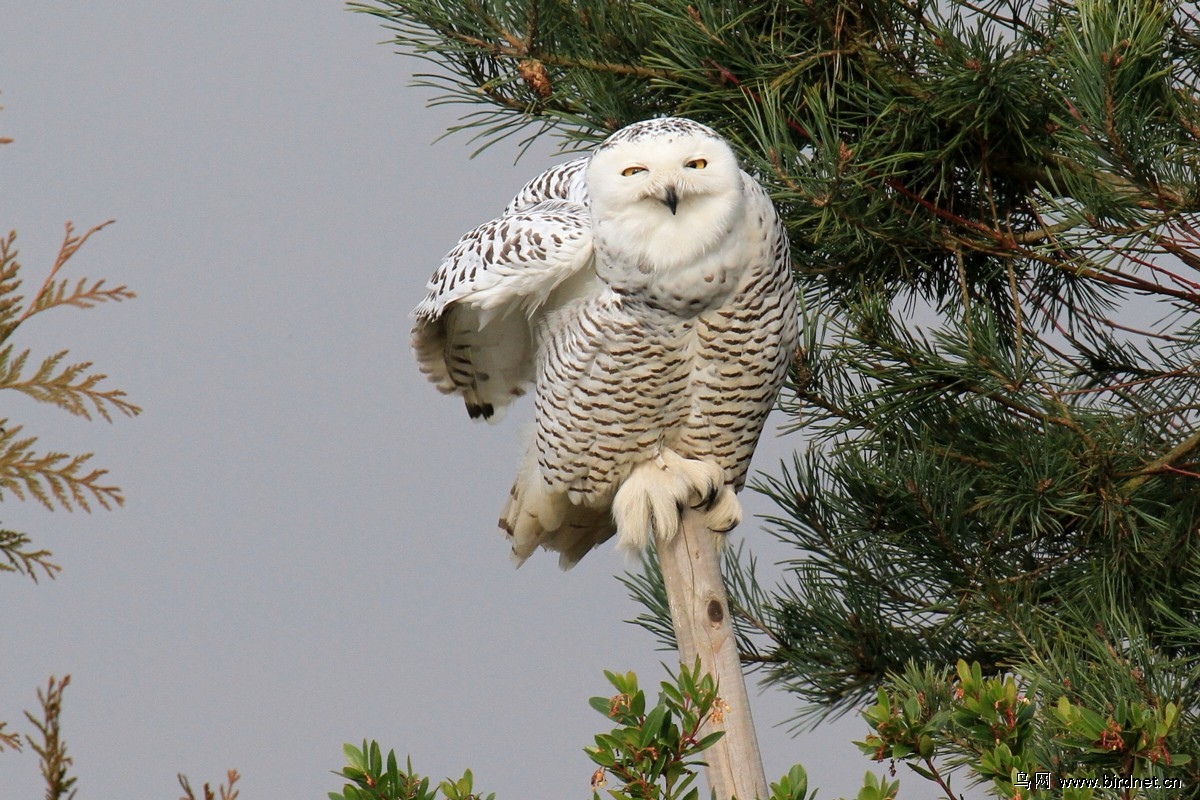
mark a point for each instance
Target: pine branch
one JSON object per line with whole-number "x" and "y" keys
{"x": 52, "y": 478}
{"x": 520, "y": 49}
{"x": 50, "y": 748}
{"x": 1164, "y": 463}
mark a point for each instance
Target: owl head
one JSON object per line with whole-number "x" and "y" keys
{"x": 667, "y": 187}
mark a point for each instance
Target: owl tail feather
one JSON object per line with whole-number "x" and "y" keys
{"x": 536, "y": 516}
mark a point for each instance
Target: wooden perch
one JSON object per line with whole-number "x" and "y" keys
{"x": 691, "y": 570}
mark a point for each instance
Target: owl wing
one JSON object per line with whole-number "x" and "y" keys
{"x": 475, "y": 331}
{"x": 564, "y": 181}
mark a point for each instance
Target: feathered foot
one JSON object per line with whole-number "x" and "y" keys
{"x": 652, "y": 499}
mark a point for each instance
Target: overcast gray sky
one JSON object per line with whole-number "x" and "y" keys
{"x": 308, "y": 553}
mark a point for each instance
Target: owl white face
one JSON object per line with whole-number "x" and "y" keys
{"x": 673, "y": 188}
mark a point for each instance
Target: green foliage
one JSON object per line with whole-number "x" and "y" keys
{"x": 374, "y": 778}
{"x": 792, "y": 786}
{"x": 531, "y": 63}
{"x": 877, "y": 788}
{"x": 1023, "y": 742}
{"x": 653, "y": 753}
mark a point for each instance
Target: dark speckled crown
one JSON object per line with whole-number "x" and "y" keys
{"x": 657, "y": 128}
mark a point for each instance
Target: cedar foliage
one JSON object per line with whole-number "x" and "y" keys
{"x": 53, "y": 479}
{"x": 995, "y": 219}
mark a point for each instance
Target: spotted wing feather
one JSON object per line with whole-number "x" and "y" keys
{"x": 564, "y": 181}
{"x": 475, "y": 329}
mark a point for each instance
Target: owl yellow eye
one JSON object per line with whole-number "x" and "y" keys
{"x": 632, "y": 171}
{"x": 697, "y": 163}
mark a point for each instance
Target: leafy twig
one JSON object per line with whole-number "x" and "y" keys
{"x": 225, "y": 791}
{"x": 51, "y": 749}
{"x": 51, "y": 477}
{"x": 82, "y": 295}
{"x": 71, "y": 387}
{"x": 26, "y": 562}
{"x": 10, "y": 740}
{"x": 70, "y": 246}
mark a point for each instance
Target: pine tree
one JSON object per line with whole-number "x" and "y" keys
{"x": 995, "y": 219}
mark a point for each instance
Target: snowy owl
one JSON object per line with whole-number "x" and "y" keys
{"x": 645, "y": 292}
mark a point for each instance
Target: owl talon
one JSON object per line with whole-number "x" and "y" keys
{"x": 704, "y": 478}
{"x": 725, "y": 514}
{"x": 652, "y": 499}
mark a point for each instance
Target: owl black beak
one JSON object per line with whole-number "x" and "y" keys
{"x": 671, "y": 199}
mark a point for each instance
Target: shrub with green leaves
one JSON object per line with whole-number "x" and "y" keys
{"x": 652, "y": 753}
{"x": 374, "y": 778}
{"x": 1021, "y": 741}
